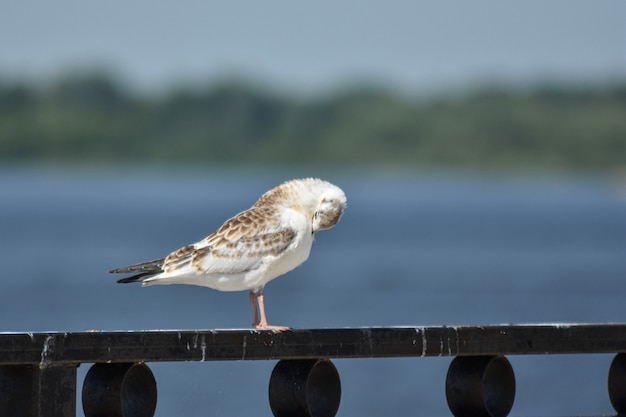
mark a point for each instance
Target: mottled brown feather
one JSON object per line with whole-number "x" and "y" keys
{"x": 248, "y": 223}
{"x": 273, "y": 196}
{"x": 252, "y": 234}
{"x": 178, "y": 258}
{"x": 254, "y": 248}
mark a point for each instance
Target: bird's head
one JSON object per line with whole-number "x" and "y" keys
{"x": 319, "y": 200}
{"x": 329, "y": 202}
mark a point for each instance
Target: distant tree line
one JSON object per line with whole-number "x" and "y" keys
{"x": 93, "y": 118}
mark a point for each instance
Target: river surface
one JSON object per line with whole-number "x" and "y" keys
{"x": 410, "y": 250}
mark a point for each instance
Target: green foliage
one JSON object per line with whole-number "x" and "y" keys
{"x": 91, "y": 118}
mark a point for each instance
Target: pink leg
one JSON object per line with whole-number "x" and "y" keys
{"x": 263, "y": 323}
{"x": 255, "y": 312}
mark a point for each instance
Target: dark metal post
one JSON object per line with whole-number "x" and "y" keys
{"x": 480, "y": 386}
{"x": 119, "y": 390}
{"x": 617, "y": 383}
{"x": 304, "y": 388}
{"x": 38, "y": 391}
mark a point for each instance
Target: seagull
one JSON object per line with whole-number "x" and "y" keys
{"x": 271, "y": 238}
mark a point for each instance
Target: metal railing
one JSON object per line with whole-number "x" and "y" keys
{"x": 38, "y": 370}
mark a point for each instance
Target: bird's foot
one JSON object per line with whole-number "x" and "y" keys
{"x": 265, "y": 326}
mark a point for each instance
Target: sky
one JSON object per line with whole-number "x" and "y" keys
{"x": 409, "y": 45}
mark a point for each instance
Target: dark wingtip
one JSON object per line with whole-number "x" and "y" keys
{"x": 136, "y": 278}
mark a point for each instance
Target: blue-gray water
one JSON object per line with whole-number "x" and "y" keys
{"x": 409, "y": 251}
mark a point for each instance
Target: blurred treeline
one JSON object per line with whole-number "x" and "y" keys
{"x": 93, "y": 118}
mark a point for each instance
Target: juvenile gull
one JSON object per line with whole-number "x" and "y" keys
{"x": 257, "y": 245}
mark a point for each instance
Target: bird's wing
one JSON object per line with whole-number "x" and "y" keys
{"x": 242, "y": 244}
{"x": 144, "y": 270}
{"x": 144, "y": 267}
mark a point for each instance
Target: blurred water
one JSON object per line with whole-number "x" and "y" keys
{"x": 409, "y": 251}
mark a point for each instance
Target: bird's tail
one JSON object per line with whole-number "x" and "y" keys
{"x": 145, "y": 269}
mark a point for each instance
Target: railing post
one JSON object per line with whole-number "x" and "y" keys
{"x": 38, "y": 391}
{"x": 480, "y": 386}
{"x": 119, "y": 390}
{"x": 617, "y": 383}
{"x": 304, "y": 388}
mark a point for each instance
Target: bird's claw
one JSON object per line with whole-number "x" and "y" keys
{"x": 273, "y": 328}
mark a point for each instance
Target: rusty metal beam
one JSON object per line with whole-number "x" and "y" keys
{"x": 208, "y": 345}
{"x": 38, "y": 370}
